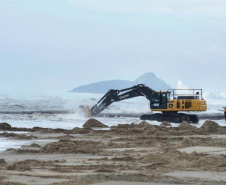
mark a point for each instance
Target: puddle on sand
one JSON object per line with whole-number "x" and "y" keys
{"x": 10, "y": 143}
{"x": 202, "y": 149}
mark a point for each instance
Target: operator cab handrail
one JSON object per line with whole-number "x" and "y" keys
{"x": 187, "y": 94}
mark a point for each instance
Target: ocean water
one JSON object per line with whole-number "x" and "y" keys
{"x": 17, "y": 103}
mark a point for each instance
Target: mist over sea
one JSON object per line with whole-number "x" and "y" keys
{"x": 15, "y": 104}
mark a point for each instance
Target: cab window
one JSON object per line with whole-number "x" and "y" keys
{"x": 156, "y": 98}
{"x": 168, "y": 96}
{"x": 164, "y": 98}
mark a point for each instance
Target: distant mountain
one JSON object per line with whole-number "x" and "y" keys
{"x": 148, "y": 79}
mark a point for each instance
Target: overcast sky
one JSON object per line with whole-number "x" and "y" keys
{"x": 56, "y": 45}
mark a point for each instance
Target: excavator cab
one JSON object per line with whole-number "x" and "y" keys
{"x": 159, "y": 100}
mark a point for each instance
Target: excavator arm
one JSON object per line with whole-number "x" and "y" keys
{"x": 118, "y": 95}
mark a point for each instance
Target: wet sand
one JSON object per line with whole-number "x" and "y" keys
{"x": 124, "y": 154}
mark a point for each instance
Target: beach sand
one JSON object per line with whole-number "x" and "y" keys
{"x": 128, "y": 154}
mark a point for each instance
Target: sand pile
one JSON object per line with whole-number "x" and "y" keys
{"x": 143, "y": 124}
{"x": 5, "y": 126}
{"x": 186, "y": 126}
{"x": 157, "y": 132}
{"x": 94, "y": 123}
{"x": 124, "y": 129}
{"x": 2, "y": 162}
{"x": 152, "y": 130}
{"x": 68, "y": 146}
{"x": 78, "y": 130}
{"x": 144, "y": 127}
{"x": 35, "y": 145}
{"x": 210, "y": 126}
{"x": 187, "y": 142}
{"x": 165, "y": 124}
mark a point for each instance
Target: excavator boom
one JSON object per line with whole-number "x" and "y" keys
{"x": 118, "y": 95}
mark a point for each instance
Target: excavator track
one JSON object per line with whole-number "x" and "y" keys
{"x": 171, "y": 117}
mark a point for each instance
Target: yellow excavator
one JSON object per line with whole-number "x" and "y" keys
{"x": 171, "y": 103}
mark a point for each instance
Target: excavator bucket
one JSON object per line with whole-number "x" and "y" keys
{"x": 86, "y": 110}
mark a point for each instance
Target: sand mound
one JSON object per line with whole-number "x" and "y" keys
{"x": 165, "y": 123}
{"x": 125, "y": 129}
{"x": 144, "y": 128}
{"x": 35, "y": 145}
{"x": 186, "y": 142}
{"x": 78, "y": 130}
{"x": 94, "y": 123}
{"x": 5, "y": 126}
{"x": 2, "y": 162}
{"x": 141, "y": 128}
{"x": 186, "y": 126}
{"x": 68, "y": 146}
{"x": 210, "y": 126}
{"x": 143, "y": 124}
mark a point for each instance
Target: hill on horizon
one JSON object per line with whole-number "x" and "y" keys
{"x": 149, "y": 79}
